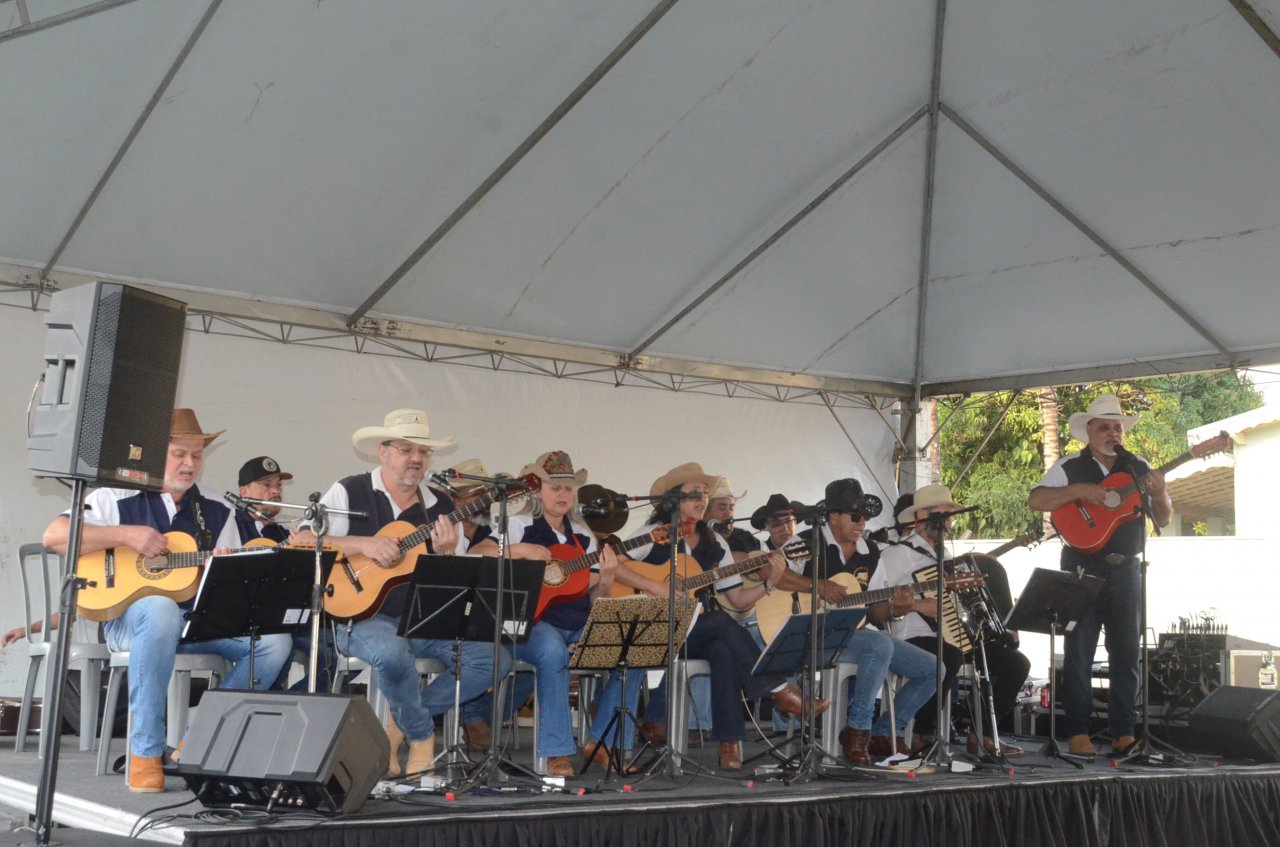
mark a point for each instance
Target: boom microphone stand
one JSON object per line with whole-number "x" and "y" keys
{"x": 489, "y": 770}
{"x": 317, "y": 515}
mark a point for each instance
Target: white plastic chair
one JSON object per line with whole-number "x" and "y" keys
{"x": 42, "y": 572}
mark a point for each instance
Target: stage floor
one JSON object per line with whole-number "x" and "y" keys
{"x": 1209, "y": 801}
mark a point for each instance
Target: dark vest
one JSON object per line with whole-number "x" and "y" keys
{"x": 362, "y": 497}
{"x": 249, "y": 529}
{"x": 860, "y": 565}
{"x": 1127, "y": 539}
{"x": 147, "y": 509}
{"x": 708, "y": 554}
{"x": 571, "y": 615}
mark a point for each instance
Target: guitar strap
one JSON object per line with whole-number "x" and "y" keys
{"x": 204, "y": 538}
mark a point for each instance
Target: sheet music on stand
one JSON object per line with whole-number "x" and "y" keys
{"x": 604, "y": 642}
{"x": 267, "y": 590}
{"x": 455, "y": 597}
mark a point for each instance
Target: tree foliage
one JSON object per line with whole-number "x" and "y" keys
{"x": 1010, "y": 464}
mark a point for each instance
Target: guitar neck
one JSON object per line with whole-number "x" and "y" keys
{"x": 866, "y": 598}
{"x": 586, "y": 560}
{"x": 196, "y": 558}
{"x": 420, "y": 535}
{"x": 706, "y": 578}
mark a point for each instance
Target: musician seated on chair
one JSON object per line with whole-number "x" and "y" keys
{"x": 1118, "y": 605}
{"x": 716, "y": 637}
{"x": 847, "y": 559}
{"x": 533, "y": 534}
{"x": 915, "y": 621}
{"x": 394, "y": 492}
{"x": 150, "y": 627}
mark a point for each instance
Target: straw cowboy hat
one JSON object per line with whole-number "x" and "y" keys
{"x": 681, "y": 474}
{"x": 185, "y": 425}
{"x": 556, "y": 466}
{"x": 725, "y": 489}
{"x": 927, "y": 497}
{"x": 1105, "y": 406}
{"x": 401, "y": 425}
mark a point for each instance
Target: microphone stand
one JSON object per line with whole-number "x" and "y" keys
{"x": 317, "y": 514}
{"x": 489, "y": 770}
{"x": 1144, "y": 750}
{"x": 939, "y": 753}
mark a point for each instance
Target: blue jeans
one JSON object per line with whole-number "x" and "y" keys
{"x": 1118, "y": 608}
{"x": 149, "y": 629}
{"x": 326, "y": 662}
{"x": 392, "y": 658}
{"x": 917, "y": 666}
{"x": 548, "y": 650}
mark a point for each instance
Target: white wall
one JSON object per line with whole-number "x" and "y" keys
{"x": 1257, "y": 463}
{"x": 300, "y": 405}
{"x": 1233, "y": 577}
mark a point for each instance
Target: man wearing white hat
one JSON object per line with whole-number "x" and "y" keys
{"x": 1117, "y": 606}
{"x": 913, "y": 619}
{"x": 395, "y": 491}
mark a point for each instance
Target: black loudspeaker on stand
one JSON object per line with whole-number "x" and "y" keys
{"x": 284, "y": 751}
{"x": 1239, "y": 723}
{"x": 111, "y": 362}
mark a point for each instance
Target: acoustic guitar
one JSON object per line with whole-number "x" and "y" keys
{"x": 568, "y": 576}
{"x": 1088, "y": 527}
{"x": 117, "y": 576}
{"x": 692, "y": 578}
{"x": 774, "y": 613}
{"x": 357, "y": 586}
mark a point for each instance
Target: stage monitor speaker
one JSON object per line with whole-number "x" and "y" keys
{"x": 1238, "y": 723}
{"x": 284, "y": 751}
{"x": 111, "y": 362}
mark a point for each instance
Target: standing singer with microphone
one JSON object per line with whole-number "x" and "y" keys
{"x": 1118, "y": 605}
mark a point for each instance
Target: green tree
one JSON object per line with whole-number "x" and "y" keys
{"x": 1012, "y": 461}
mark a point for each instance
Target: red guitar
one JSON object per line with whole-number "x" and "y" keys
{"x": 568, "y": 574}
{"x": 1088, "y": 527}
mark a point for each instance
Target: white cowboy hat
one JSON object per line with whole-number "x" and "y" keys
{"x": 401, "y": 425}
{"x": 1105, "y": 406}
{"x": 679, "y": 475}
{"x": 927, "y": 497}
{"x": 725, "y": 489}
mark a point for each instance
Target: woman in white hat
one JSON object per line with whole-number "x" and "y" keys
{"x": 716, "y": 637}
{"x": 548, "y": 524}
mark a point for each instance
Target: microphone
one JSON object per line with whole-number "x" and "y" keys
{"x": 240, "y": 504}
{"x": 591, "y": 510}
{"x": 607, "y": 502}
{"x": 441, "y": 478}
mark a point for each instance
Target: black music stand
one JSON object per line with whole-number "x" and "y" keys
{"x": 622, "y": 633}
{"x": 792, "y": 652}
{"x": 1051, "y": 603}
{"x": 254, "y": 593}
{"x": 453, "y": 598}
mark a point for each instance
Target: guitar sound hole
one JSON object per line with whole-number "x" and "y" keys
{"x": 553, "y": 575}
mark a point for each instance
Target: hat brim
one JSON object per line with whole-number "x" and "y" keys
{"x": 1078, "y": 424}
{"x": 367, "y": 438}
{"x": 908, "y": 516}
{"x": 206, "y": 437}
{"x": 668, "y": 481}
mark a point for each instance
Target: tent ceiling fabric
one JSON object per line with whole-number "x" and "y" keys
{"x": 304, "y": 150}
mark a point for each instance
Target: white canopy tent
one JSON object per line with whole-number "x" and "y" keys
{"x": 753, "y": 198}
{"x": 751, "y": 192}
